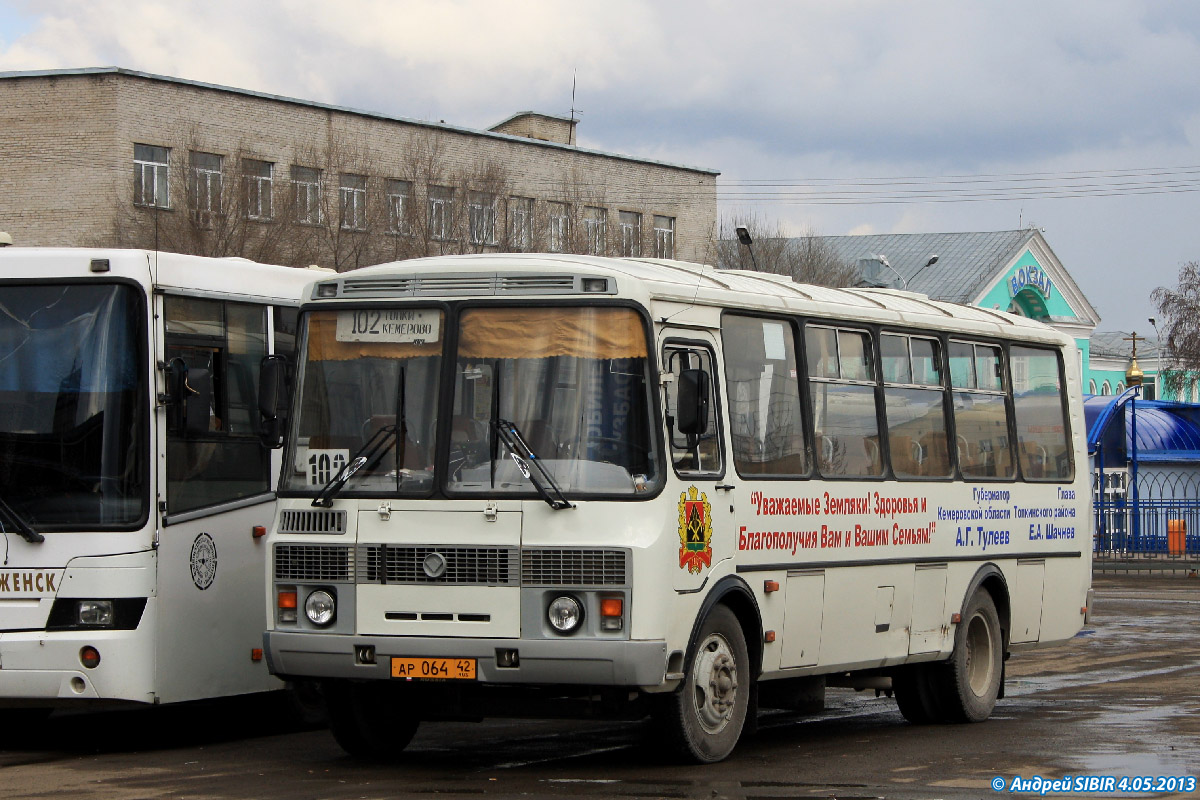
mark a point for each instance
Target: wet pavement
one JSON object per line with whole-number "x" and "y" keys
{"x": 1121, "y": 699}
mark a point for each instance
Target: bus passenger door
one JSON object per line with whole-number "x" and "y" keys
{"x": 693, "y": 418}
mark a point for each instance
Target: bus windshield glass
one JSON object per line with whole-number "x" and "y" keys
{"x": 369, "y": 388}
{"x": 73, "y": 405}
{"x": 571, "y": 381}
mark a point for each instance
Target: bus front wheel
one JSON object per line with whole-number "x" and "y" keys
{"x": 368, "y": 720}
{"x": 704, "y": 719}
{"x": 974, "y": 671}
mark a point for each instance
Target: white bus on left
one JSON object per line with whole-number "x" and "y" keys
{"x": 136, "y": 473}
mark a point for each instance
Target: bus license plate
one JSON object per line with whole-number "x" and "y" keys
{"x": 460, "y": 669}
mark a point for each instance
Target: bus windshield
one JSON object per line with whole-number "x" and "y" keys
{"x": 572, "y": 381}
{"x": 73, "y": 411}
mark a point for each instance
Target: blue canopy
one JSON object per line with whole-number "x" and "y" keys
{"x": 1166, "y": 432}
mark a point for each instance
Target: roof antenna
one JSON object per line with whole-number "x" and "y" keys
{"x": 574, "y": 110}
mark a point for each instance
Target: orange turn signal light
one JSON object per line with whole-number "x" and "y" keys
{"x": 768, "y": 636}
{"x": 287, "y": 599}
{"x": 612, "y": 607}
{"x": 770, "y": 586}
{"x": 955, "y": 619}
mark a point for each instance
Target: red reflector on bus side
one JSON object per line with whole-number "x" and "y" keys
{"x": 256, "y": 654}
{"x": 259, "y": 531}
{"x": 287, "y": 599}
{"x": 771, "y": 586}
{"x": 955, "y": 619}
{"x": 769, "y": 637}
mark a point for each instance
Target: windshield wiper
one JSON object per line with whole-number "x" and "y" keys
{"x": 23, "y": 529}
{"x": 371, "y": 451}
{"x": 522, "y": 455}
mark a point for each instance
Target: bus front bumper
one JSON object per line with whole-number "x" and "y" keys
{"x": 539, "y": 661}
{"x": 45, "y": 666}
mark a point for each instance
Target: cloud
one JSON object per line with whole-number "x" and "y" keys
{"x": 853, "y": 89}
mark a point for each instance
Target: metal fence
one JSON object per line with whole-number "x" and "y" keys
{"x": 1150, "y": 514}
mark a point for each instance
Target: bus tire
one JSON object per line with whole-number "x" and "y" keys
{"x": 368, "y": 720}
{"x": 973, "y": 674}
{"x": 917, "y": 694}
{"x": 704, "y": 719}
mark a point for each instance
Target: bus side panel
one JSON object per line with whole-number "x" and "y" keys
{"x": 211, "y": 617}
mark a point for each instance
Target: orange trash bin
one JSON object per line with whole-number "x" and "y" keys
{"x": 1176, "y": 536}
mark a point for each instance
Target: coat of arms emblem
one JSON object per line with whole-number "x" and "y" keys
{"x": 695, "y": 530}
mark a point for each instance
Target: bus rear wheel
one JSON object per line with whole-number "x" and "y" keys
{"x": 974, "y": 672}
{"x": 368, "y": 720}
{"x": 704, "y": 719}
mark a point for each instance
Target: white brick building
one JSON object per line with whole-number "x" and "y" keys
{"x": 112, "y": 157}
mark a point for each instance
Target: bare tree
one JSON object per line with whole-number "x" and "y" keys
{"x": 200, "y": 214}
{"x": 331, "y": 201}
{"x": 807, "y": 258}
{"x": 1180, "y": 330}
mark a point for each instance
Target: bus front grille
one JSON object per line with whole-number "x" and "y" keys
{"x": 573, "y": 567}
{"x": 453, "y": 564}
{"x": 322, "y": 520}
{"x": 314, "y": 562}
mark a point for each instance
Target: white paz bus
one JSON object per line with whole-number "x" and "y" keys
{"x": 543, "y": 484}
{"x": 135, "y": 469}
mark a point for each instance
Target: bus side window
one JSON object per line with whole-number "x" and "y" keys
{"x": 914, "y": 403}
{"x": 766, "y": 424}
{"x": 223, "y": 460}
{"x": 1044, "y": 446}
{"x": 841, "y": 385}
{"x": 980, "y": 411}
{"x": 693, "y": 453}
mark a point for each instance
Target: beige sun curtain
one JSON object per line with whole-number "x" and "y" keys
{"x": 503, "y": 333}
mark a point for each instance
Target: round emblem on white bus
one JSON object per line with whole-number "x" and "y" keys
{"x": 434, "y": 565}
{"x": 204, "y": 561}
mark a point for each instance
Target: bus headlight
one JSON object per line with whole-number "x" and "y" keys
{"x": 564, "y": 614}
{"x": 320, "y": 607}
{"x": 94, "y": 613}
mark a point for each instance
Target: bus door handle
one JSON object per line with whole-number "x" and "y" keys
{"x": 728, "y": 487}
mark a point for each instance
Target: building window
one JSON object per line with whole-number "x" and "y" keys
{"x": 559, "y": 219}
{"x": 481, "y": 218}
{"x": 441, "y": 212}
{"x": 1092, "y": 386}
{"x": 259, "y": 179}
{"x": 399, "y": 203}
{"x": 595, "y": 225}
{"x": 631, "y": 233}
{"x": 521, "y": 223}
{"x": 664, "y": 237}
{"x": 204, "y": 193}
{"x": 1105, "y": 388}
{"x": 151, "y": 175}
{"x": 353, "y": 194}
{"x": 306, "y": 183}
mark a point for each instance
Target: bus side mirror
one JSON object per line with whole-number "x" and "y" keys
{"x": 272, "y": 381}
{"x": 692, "y": 406}
{"x": 190, "y": 399}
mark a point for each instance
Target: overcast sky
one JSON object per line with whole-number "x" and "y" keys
{"x": 1080, "y": 117}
